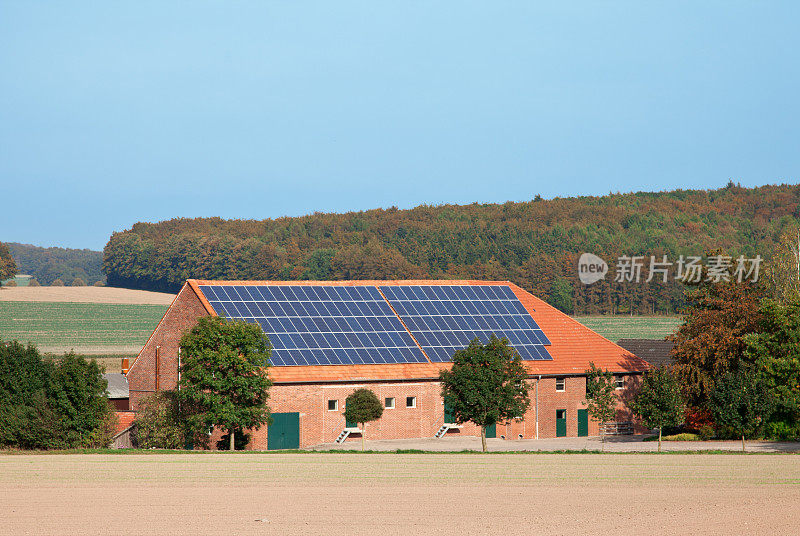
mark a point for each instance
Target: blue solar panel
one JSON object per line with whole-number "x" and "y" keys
{"x": 319, "y": 325}
{"x": 445, "y": 318}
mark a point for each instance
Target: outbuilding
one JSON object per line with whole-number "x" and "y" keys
{"x": 393, "y": 337}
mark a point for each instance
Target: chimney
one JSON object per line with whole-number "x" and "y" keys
{"x": 125, "y": 366}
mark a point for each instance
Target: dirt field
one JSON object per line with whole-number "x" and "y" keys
{"x": 84, "y": 295}
{"x": 393, "y": 494}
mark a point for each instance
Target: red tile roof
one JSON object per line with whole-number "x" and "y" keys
{"x": 573, "y": 345}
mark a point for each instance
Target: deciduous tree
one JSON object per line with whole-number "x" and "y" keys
{"x": 224, "y": 375}
{"x": 486, "y": 385}
{"x": 740, "y": 403}
{"x": 8, "y": 268}
{"x": 601, "y": 402}
{"x": 363, "y": 406}
{"x": 711, "y": 340}
{"x": 659, "y": 401}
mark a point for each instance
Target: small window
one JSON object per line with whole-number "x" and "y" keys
{"x": 561, "y": 414}
{"x": 561, "y": 384}
{"x": 389, "y": 402}
{"x": 333, "y": 405}
{"x": 411, "y": 401}
{"x": 619, "y": 382}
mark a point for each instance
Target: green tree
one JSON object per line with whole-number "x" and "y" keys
{"x": 78, "y": 394}
{"x": 561, "y": 296}
{"x": 57, "y": 283}
{"x": 158, "y": 422}
{"x": 740, "y": 403}
{"x": 78, "y": 282}
{"x": 775, "y": 353}
{"x": 27, "y": 420}
{"x": 486, "y": 384}
{"x": 659, "y": 401}
{"x": 46, "y": 404}
{"x": 318, "y": 264}
{"x": 224, "y": 375}
{"x": 601, "y": 402}
{"x": 363, "y": 406}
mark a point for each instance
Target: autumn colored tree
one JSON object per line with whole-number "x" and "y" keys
{"x": 8, "y": 268}
{"x": 534, "y": 244}
{"x": 711, "y": 341}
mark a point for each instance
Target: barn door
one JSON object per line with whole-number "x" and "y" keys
{"x": 561, "y": 423}
{"x": 284, "y": 432}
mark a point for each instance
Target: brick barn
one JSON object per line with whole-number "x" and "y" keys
{"x": 392, "y": 337}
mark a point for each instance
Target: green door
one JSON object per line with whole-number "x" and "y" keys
{"x": 491, "y": 430}
{"x": 284, "y": 432}
{"x": 561, "y": 423}
{"x": 583, "y": 422}
{"x": 348, "y": 424}
{"x": 448, "y": 414}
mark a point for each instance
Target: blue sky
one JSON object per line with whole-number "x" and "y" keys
{"x": 113, "y": 113}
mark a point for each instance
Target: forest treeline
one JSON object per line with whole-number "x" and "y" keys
{"x": 48, "y": 264}
{"x": 534, "y": 244}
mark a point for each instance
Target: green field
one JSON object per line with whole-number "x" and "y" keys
{"x": 631, "y": 327}
{"x": 90, "y": 328}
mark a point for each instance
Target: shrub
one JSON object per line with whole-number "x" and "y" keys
{"x": 676, "y": 437}
{"x": 46, "y": 404}
{"x": 158, "y": 422}
{"x": 11, "y": 283}
{"x": 98, "y": 284}
{"x": 782, "y": 431}
{"x": 78, "y": 282}
{"x": 57, "y": 283}
{"x": 34, "y": 283}
{"x": 706, "y": 432}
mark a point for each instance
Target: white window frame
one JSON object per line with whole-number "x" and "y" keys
{"x": 386, "y": 402}
{"x": 336, "y": 405}
{"x": 619, "y": 382}
{"x": 413, "y": 403}
{"x": 563, "y": 381}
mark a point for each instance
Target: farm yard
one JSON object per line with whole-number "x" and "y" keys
{"x": 399, "y": 494}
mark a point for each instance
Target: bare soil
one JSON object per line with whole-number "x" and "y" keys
{"x": 392, "y": 494}
{"x": 85, "y": 295}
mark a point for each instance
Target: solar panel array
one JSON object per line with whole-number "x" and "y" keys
{"x": 445, "y": 318}
{"x": 319, "y": 325}
{"x": 351, "y": 325}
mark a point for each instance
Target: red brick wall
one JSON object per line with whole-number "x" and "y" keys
{"x": 181, "y": 316}
{"x": 319, "y": 425}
